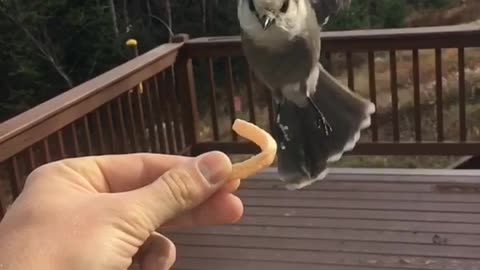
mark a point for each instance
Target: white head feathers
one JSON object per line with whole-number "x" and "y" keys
{"x": 288, "y": 19}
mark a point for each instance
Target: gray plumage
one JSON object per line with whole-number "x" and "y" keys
{"x": 303, "y": 159}
{"x": 318, "y": 119}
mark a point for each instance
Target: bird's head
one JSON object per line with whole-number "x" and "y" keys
{"x": 268, "y": 11}
{"x": 266, "y": 14}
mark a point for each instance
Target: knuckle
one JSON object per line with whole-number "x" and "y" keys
{"x": 39, "y": 174}
{"x": 180, "y": 189}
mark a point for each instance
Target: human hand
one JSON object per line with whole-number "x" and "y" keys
{"x": 103, "y": 212}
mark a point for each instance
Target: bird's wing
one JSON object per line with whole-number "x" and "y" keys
{"x": 327, "y": 8}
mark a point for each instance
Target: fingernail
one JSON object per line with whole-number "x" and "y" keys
{"x": 155, "y": 262}
{"x": 214, "y": 166}
{"x": 162, "y": 263}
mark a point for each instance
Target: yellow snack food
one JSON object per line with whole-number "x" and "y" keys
{"x": 260, "y": 161}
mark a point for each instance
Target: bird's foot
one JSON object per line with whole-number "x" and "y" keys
{"x": 284, "y": 129}
{"x": 322, "y": 122}
{"x": 277, "y": 113}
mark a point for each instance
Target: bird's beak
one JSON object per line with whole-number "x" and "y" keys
{"x": 267, "y": 21}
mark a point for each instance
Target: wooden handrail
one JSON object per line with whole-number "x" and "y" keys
{"x": 35, "y": 124}
{"x": 468, "y": 35}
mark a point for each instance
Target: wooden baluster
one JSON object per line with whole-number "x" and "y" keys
{"x": 61, "y": 144}
{"x": 394, "y": 91}
{"x": 351, "y": 80}
{"x": 76, "y": 145}
{"x": 230, "y": 94}
{"x": 251, "y": 104}
{"x": 31, "y": 158}
{"x": 373, "y": 93}
{"x": 271, "y": 110}
{"x": 213, "y": 100}
{"x": 416, "y": 97}
{"x": 461, "y": 95}
{"x": 439, "y": 94}
{"x": 160, "y": 115}
{"x": 176, "y": 114}
{"x": 46, "y": 151}
{"x": 112, "y": 129}
{"x": 86, "y": 129}
{"x": 123, "y": 129}
{"x": 16, "y": 182}
{"x": 99, "y": 128}
{"x": 328, "y": 61}
{"x": 155, "y": 144}
{"x": 186, "y": 88}
{"x": 3, "y": 208}
{"x": 168, "y": 116}
{"x": 132, "y": 126}
{"x": 133, "y": 97}
{"x": 141, "y": 117}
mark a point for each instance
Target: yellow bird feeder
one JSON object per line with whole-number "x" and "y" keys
{"x": 132, "y": 43}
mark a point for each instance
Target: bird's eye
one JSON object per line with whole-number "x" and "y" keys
{"x": 285, "y": 6}
{"x": 251, "y": 5}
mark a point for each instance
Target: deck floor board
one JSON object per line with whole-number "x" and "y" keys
{"x": 422, "y": 221}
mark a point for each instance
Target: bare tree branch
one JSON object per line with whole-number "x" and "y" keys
{"x": 149, "y": 12}
{"x": 113, "y": 13}
{"x": 125, "y": 16}
{"x": 170, "y": 31}
{"x": 47, "y": 55}
{"x": 54, "y": 60}
{"x": 94, "y": 64}
{"x": 204, "y": 16}
{"x": 168, "y": 10}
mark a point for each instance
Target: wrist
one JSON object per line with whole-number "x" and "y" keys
{"x": 23, "y": 248}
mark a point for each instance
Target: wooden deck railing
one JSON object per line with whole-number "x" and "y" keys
{"x": 388, "y": 134}
{"x": 110, "y": 114}
{"x": 107, "y": 115}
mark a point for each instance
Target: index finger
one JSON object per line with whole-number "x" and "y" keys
{"x": 121, "y": 173}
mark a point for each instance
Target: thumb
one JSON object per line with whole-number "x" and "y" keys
{"x": 180, "y": 189}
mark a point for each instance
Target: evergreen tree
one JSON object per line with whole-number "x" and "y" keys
{"x": 49, "y": 46}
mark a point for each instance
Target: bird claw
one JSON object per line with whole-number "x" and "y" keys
{"x": 322, "y": 123}
{"x": 283, "y": 129}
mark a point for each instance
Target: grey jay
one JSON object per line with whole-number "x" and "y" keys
{"x": 317, "y": 119}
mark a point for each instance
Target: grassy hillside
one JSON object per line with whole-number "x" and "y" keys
{"x": 428, "y": 101}
{"x": 463, "y": 11}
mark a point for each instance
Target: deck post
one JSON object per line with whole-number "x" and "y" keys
{"x": 185, "y": 85}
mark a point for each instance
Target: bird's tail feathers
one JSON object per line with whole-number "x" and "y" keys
{"x": 304, "y": 149}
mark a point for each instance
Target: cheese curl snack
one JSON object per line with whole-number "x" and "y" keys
{"x": 260, "y": 161}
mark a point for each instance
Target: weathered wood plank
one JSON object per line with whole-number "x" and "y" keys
{"x": 354, "y": 220}
{"x": 365, "y": 214}
{"x": 361, "y": 224}
{"x": 186, "y": 263}
{"x": 399, "y": 249}
{"x": 342, "y": 234}
{"x": 359, "y": 195}
{"x": 362, "y": 204}
{"x": 335, "y": 258}
{"x": 342, "y": 186}
{"x": 370, "y": 185}
{"x": 375, "y": 235}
